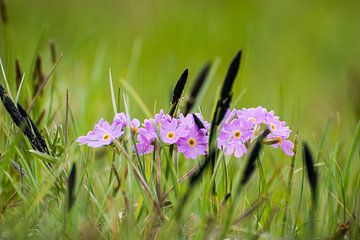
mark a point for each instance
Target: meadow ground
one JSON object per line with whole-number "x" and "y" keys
{"x": 299, "y": 59}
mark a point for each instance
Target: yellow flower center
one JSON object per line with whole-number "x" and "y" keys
{"x": 134, "y": 129}
{"x": 191, "y": 142}
{"x": 273, "y": 127}
{"x": 253, "y": 119}
{"x": 170, "y": 135}
{"x": 237, "y": 134}
{"x": 106, "y": 136}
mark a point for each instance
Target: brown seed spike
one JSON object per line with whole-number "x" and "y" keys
{"x": 199, "y": 82}
{"x": 3, "y": 14}
{"x": 53, "y": 52}
{"x": 38, "y": 74}
{"x": 18, "y": 73}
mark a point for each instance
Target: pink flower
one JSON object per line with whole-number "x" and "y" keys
{"x": 103, "y": 134}
{"x": 120, "y": 119}
{"x": 170, "y": 132}
{"x": 147, "y": 135}
{"x": 233, "y": 136}
{"x": 277, "y": 127}
{"x": 286, "y": 145}
{"x": 189, "y": 121}
{"x": 194, "y": 144}
{"x": 255, "y": 115}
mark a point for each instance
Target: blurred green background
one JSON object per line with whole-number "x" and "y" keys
{"x": 301, "y": 58}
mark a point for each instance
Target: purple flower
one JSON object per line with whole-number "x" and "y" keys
{"x": 147, "y": 135}
{"x": 135, "y": 124}
{"x": 161, "y": 117}
{"x": 144, "y": 145}
{"x": 189, "y": 121}
{"x": 170, "y": 132}
{"x": 255, "y": 115}
{"x": 233, "y": 135}
{"x": 120, "y": 119}
{"x": 103, "y": 134}
{"x": 194, "y": 144}
{"x": 277, "y": 127}
{"x": 286, "y": 145}
{"x": 230, "y": 114}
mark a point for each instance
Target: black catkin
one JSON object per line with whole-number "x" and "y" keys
{"x": 224, "y": 101}
{"x": 178, "y": 90}
{"x": 3, "y": 14}
{"x": 18, "y": 73}
{"x": 35, "y": 129}
{"x": 198, "y": 122}
{"x": 311, "y": 172}
{"x": 199, "y": 82}
{"x": 38, "y": 74}
{"x": 20, "y": 121}
{"x": 231, "y": 75}
{"x": 71, "y": 186}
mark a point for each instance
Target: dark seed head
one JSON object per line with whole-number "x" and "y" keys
{"x": 197, "y": 87}
{"x": 179, "y": 87}
{"x": 231, "y": 75}
{"x": 71, "y": 186}
{"x": 311, "y": 172}
{"x": 18, "y": 73}
{"x": 3, "y": 14}
{"x": 198, "y": 122}
{"x": 178, "y": 90}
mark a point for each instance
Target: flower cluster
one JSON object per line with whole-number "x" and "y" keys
{"x": 241, "y": 127}
{"x": 183, "y": 132}
{"x": 189, "y": 134}
{"x": 105, "y": 133}
{"x": 189, "y": 138}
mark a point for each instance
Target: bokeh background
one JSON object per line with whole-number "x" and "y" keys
{"x": 301, "y": 58}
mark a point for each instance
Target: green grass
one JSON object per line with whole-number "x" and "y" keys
{"x": 299, "y": 59}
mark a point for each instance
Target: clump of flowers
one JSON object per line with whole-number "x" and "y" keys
{"x": 242, "y": 127}
{"x": 190, "y": 139}
{"x": 183, "y": 132}
{"x": 105, "y": 133}
{"x": 189, "y": 134}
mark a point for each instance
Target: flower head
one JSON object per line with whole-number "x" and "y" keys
{"x": 193, "y": 144}
{"x": 103, "y": 134}
{"x": 170, "y": 132}
{"x": 120, "y": 119}
{"x": 234, "y": 135}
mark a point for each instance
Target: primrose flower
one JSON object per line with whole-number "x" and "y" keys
{"x": 189, "y": 121}
{"x": 194, "y": 144}
{"x": 103, "y": 134}
{"x": 170, "y": 132}
{"x": 255, "y": 115}
{"x": 234, "y": 135}
{"x": 144, "y": 145}
{"x": 277, "y": 127}
{"x": 161, "y": 117}
{"x": 286, "y": 145}
{"x": 146, "y": 137}
{"x": 135, "y": 124}
{"x": 120, "y": 119}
